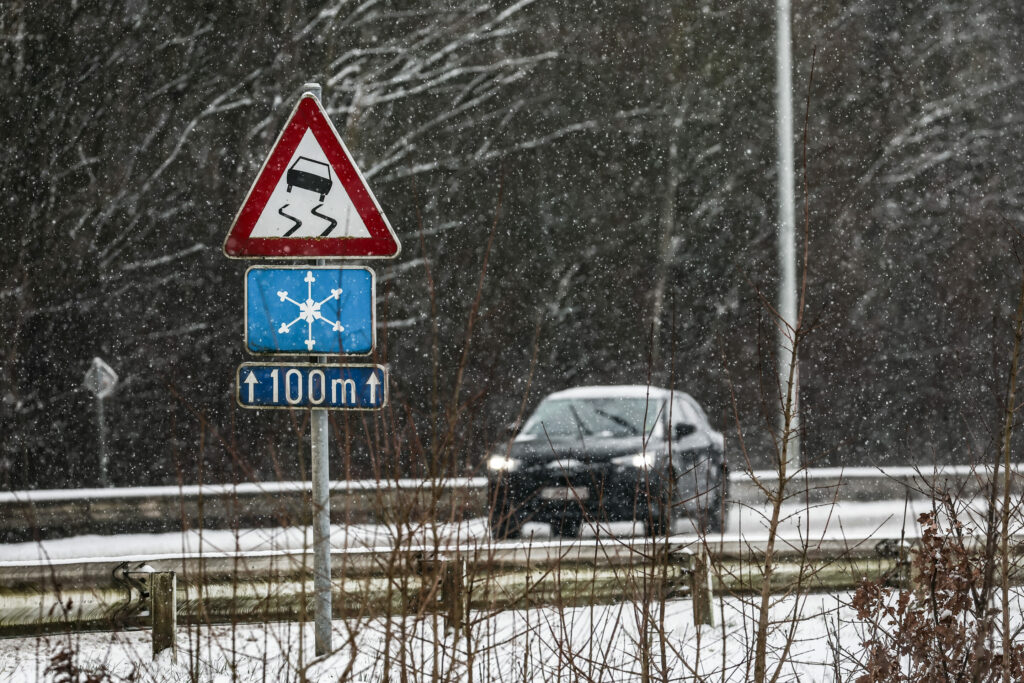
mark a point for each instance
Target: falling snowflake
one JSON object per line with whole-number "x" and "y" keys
{"x": 309, "y": 310}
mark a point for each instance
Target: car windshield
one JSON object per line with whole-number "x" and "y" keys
{"x": 594, "y": 417}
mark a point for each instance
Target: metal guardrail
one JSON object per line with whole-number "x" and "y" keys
{"x": 38, "y": 596}
{"x": 824, "y": 484}
{"x": 254, "y": 586}
{"x": 42, "y": 514}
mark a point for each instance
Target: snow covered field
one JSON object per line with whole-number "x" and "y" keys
{"x": 600, "y": 643}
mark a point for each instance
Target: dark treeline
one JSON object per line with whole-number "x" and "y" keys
{"x": 617, "y": 157}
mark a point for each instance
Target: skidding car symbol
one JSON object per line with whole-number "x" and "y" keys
{"x": 311, "y": 175}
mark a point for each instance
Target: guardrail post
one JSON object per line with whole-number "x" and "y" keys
{"x": 444, "y": 578}
{"x": 164, "y": 612}
{"x": 453, "y": 595}
{"x": 700, "y": 589}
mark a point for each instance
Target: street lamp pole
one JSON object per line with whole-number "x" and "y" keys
{"x": 789, "y": 376}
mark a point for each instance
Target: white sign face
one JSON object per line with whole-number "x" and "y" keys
{"x": 309, "y": 200}
{"x": 100, "y": 378}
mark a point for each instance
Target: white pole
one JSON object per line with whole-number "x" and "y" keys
{"x": 787, "y": 236}
{"x": 101, "y": 431}
{"x": 318, "y": 443}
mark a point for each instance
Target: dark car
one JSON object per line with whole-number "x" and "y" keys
{"x": 596, "y": 454}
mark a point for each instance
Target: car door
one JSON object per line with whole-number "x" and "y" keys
{"x": 701, "y": 451}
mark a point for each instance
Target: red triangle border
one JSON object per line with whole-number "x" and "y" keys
{"x": 382, "y": 242}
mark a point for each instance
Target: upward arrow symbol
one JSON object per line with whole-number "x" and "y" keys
{"x": 251, "y": 382}
{"x": 373, "y": 383}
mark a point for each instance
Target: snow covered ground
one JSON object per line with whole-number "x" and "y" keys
{"x": 844, "y": 519}
{"x": 600, "y": 643}
{"x": 592, "y": 643}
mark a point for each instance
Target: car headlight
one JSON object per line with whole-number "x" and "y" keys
{"x": 502, "y": 463}
{"x": 643, "y": 461}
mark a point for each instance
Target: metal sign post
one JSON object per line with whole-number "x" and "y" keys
{"x": 100, "y": 379}
{"x": 318, "y": 439}
{"x": 321, "y": 484}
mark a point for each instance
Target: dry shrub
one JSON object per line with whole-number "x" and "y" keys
{"x": 65, "y": 666}
{"x": 935, "y": 631}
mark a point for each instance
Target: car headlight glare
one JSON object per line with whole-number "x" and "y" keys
{"x": 502, "y": 463}
{"x": 643, "y": 461}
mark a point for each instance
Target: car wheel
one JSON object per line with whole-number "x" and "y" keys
{"x": 656, "y": 525}
{"x": 712, "y": 518}
{"x": 567, "y": 527}
{"x": 505, "y": 524}
{"x": 662, "y": 521}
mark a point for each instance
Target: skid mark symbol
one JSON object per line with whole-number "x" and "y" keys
{"x": 333, "y": 223}
{"x": 293, "y": 219}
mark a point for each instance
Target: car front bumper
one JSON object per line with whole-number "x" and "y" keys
{"x": 603, "y": 492}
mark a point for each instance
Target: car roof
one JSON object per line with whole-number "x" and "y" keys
{"x": 306, "y": 161}
{"x": 616, "y": 391}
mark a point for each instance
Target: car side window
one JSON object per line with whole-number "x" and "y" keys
{"x": 683, "y": 413}
{"x": 700, "y": 411}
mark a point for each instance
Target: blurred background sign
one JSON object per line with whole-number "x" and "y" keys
{"x": 100, "y": 378}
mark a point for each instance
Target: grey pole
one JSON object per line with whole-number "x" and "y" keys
{"x": 787, "y": 235}
{"x": 321, "y": 529}
{"x": 101, "y": 429}
{"x": 318, "y": 442}
{"x": 101, "y": 380}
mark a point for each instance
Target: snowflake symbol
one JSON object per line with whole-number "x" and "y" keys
{"x": 309, "y": 311}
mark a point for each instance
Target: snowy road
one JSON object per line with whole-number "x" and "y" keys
{"x": 832, "y": 521}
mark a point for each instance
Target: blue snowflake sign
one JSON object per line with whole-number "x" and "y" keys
{"x": 310, "y": 310}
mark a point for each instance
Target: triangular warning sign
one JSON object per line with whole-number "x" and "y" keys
{"x": 309, "y": 199}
